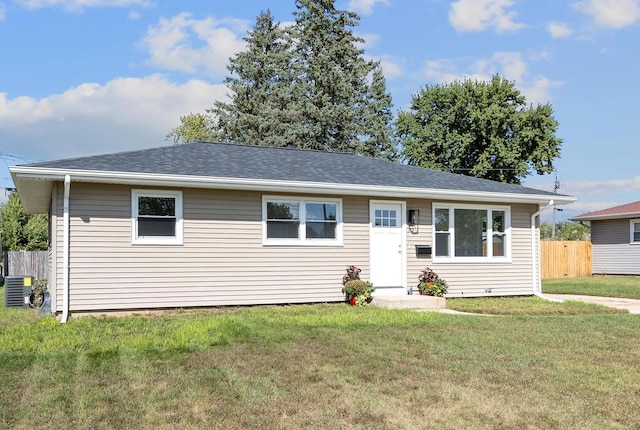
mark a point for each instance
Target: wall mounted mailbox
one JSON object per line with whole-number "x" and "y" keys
{"x": 423, "y": 250}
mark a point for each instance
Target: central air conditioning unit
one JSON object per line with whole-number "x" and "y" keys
{"x": 17, "y": 290}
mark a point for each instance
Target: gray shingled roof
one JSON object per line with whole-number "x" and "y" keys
{"x": 255, "y": 162}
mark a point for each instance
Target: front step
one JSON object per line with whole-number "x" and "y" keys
{"x": 416, "y": 302}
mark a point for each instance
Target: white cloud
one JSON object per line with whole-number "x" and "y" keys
{"x": 134, "y": 15}
{"x": 2, "y": 11}
{"x": 478, "y": 15}
{"x": 80, "y": 5}
{"x": 539, "y": 89}
{"x": 365, "y": 6}
{"x": 559, "y": 30}
{"x": 370, "y": 40}
{"x": 604, "y": 186}
{"x": 611, "y": 13}
{"x": 173, "y": 43}
{"x": 390, "y": 68}
{"x": 125, "y": 113}
{"x": 511, "y": 65}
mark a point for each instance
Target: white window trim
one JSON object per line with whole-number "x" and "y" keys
{"x": 631, "y": 225}
{"x": 156, "y": 240}
{"x": 302, "y": 240}
{"x": 488, "y": 259}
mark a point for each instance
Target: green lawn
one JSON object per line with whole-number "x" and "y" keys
{"x": 531, "y": 306}
{"x": 606, "y": 286}
{"x": 319, "y": 366}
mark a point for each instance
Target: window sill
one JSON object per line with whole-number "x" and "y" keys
{"x": 169, "y": 242}
{"x": 300, "y": 243}
{"x": 475, "y": 260}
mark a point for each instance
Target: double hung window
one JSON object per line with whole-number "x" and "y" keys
{"x": 156, "y": 217}
{"x": 301, "y": 221}
{"x": 635, "y": 231}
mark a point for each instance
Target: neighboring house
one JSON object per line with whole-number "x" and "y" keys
{"x": 218, "y": 224}
{"x": 615, "y": 239}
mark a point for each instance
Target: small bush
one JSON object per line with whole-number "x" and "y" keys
{"x": 357, "y": 288}
{"x": 437, "y": 288}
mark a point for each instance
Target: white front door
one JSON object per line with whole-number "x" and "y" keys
{"x": 387, "y": 247}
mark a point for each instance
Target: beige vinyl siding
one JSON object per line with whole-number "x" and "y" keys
{"x": 471, "y": 278}
{"x": 422, "y": 235}
{"x": 53, "y": 249}
{"x": 222, "y": 260}
{"x": 611, "y": 251}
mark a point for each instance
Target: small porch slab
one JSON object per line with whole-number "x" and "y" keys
{"x": 416, "y": 302}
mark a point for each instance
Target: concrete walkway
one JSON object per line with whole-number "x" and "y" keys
{"x": 632, "y": 305}
{"x": 414, "y": 302}
{"x": 438, "y": 304}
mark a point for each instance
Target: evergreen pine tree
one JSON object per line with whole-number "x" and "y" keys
{"x": 261, "y": 109}
{"x": 307, "y": 86}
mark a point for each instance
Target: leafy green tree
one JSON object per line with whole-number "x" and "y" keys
{"x": 481, "y": 129}
{"x": 306, "y": 86}
{"x": 21, "y": 231}
{"x": 195, "y": 126}
{"x": 568, "y": 230}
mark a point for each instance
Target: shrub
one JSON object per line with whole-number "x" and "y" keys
{"x": 362, "y": 291}
{"x": 431, "y": 284}
{"x": 358, "y": 288}
{"x": 428, "y": 275}
{"x": 437, "y": 288}
{"x": 353, "y": 274}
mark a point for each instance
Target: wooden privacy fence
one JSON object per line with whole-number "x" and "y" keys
{"x": 29, "y": 263}
{"x": 565, "y": 258}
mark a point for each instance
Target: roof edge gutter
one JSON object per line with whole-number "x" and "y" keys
{"x": 605, "y": 217}
{"x": 536, "y": 272}
{"x": 278, "y": 185}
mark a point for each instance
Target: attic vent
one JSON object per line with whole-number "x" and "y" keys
{"x": 16, "y": 291}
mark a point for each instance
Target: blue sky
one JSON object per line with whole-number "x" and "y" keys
{"x": 82, "y": 77}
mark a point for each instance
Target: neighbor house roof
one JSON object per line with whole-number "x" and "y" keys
{"x": 629, "y": 210}
{"x": 218, "y": 165}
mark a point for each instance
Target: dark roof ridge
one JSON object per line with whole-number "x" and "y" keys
{"x": 289, "y": 148}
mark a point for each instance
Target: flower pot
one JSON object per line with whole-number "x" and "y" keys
{"x": 352, "y": 300}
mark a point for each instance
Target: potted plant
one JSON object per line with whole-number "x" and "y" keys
{"x": 431, "y": 284}
{"x": 357, "y": 291}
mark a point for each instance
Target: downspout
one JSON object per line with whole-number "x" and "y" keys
{"x": 65, "y": 251}
{"x": 535, "y": 258}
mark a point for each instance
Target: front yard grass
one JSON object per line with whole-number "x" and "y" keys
{"x": 605, "y": 286}
{"x": 531, "y": 306}
{"x": 319, "y": 366}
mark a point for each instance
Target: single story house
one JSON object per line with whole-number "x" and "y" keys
{"x": 615, "y": 239}
{"x": 207, "y": 224}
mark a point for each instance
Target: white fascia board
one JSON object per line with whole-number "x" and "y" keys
{"x": 610, "y": 216}
{"x": 269, "y": 185}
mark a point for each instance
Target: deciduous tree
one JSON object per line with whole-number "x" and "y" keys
{"x": 482, "y": 129}
{"x": 567, "y": 230}
{"x": 21, "y": 231}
